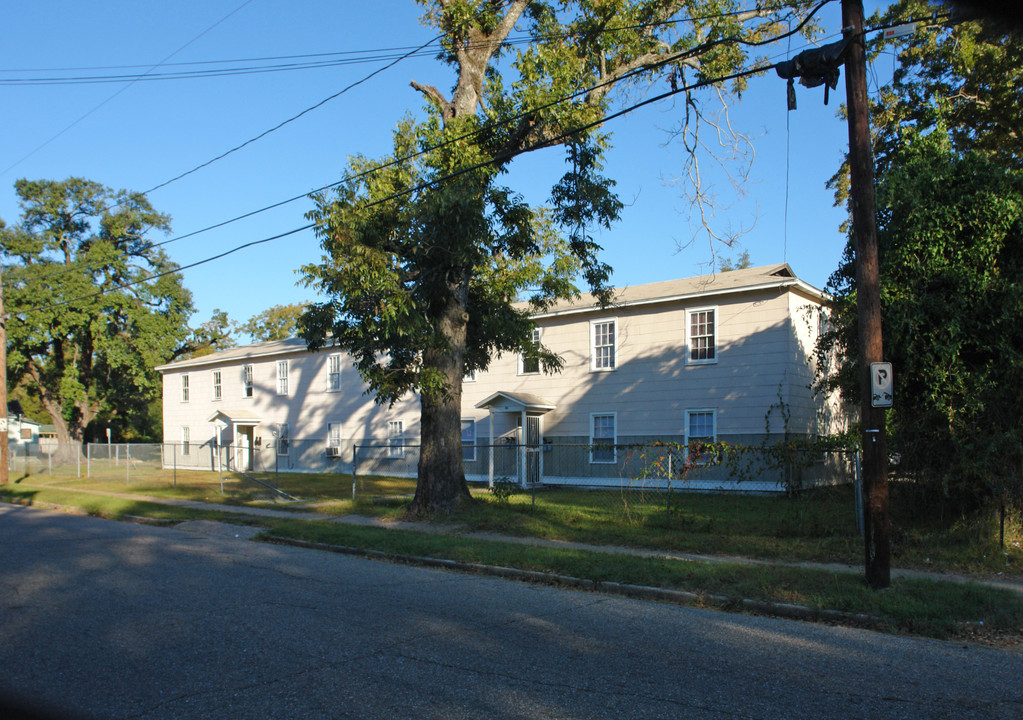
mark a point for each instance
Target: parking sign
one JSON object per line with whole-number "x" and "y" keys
{"x": 881, "y": 385}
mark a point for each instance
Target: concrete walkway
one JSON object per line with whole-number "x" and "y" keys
{"x": 1011, "y": 583}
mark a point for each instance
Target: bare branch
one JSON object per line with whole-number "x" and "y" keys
{"x": 432, "y": 93}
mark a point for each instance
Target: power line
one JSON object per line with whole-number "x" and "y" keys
{"x": 278, "y": 126}
{"x": 436, "y": 181}
{"x": 90, "y": 112}
{"x": 339, "y": 58}
{"x": 487, "y": 127}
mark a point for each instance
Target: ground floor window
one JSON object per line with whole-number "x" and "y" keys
{"x": 603, "y": 433}
{"x": 395, "y": 439}
{"x": 468, "y": 440}
{"x": 701, "y": 424}
{"x": 185, "y": 449}
{"x": 283, "y": 441}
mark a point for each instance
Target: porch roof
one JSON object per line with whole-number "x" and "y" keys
{"x": 504, "y": 401}
{"x": 235, "y": 417}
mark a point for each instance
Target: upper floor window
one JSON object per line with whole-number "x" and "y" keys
{"x": 246, "y": 381}
{"x": 603, "y": 432}
{"x": 603, "y": 339}
{"x": 282, "y": 377}
{"x": 529, "y": 363}
{"x": 470, "y": 376}
{"x": 395, "y": 439}
{"x": 216, "y": 385}
{"x": 702, "y": 329}
{"x": 333, "y": 373}
{"x": 184, "y": 388}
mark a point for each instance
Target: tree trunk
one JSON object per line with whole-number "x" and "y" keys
{"x": 442, "y": 487}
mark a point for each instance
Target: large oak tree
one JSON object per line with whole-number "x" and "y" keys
{"x": 425, "y": 250}
{"x": 94, "y": 306}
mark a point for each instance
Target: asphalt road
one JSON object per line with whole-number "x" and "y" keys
{"x": 115, "y": 620}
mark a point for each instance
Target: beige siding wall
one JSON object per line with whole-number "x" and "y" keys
{"x": 307, "y": 408}
{"x": 653, "y": 385}
{"x": 763, "y": 345}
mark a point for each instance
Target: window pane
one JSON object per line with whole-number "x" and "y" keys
{"x": 282, "y": 377}
{"x": 247, "y": 380}
{"x": 395, "y": 439}
{"x": 468, "y": 440}
{"x": 701, "y": 335}
{"x": 334, "y": 373}
{"x": 604, "y": 346}
{"x": 603, "y": 438}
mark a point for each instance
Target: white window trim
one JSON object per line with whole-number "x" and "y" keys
{"x": 283, "y": 439}
{"x": 593, "y": 345}
{"x": 614, "y": 439}
{"x": 247, "y": 381}
{"x": 714, "y": 425}
{"x": 282, "y": 378}
{"x": 464, "y": 457}
{"x": 340, "y": 433}
{"x": 330, "y": 359}
{"x": 399, "y": 450}
{"x": 537, "y": 339}
{"x": 217, "y": 385}
{"x": 184, "y": 388}
{"x": 186, "y": 448}
{"x": 689, "y": 340}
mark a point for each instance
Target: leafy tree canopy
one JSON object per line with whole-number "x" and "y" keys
{"x": 275, "y": 323}
{"x": 961, "y": 80}
{"x": 426, "y": 251}
{"x": 93, "y": 305}
{"x": 951, "y": 264}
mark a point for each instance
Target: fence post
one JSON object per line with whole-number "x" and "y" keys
{"x": 668, "y": 510}
{"x": 127, "y": 464}
{"x": 88, "y": 460}
{"x": 355, "y": 467}
{"x": 859, "y": 494}
{"x": 78, "y": 459}
{"x": 174, "y": 453}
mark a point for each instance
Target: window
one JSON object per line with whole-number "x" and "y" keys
{"x": 333, "y": 434}
{"x": 395, "y": 439}
{"x": 468, "y": 440}
{"x": 603, "y": 339}
{"x": 184, "y": 388}
{"x": 334, "y": 373}
{"x": 282, "y": 377}
{"x": 529, "y": 363}
{"x": 246, "y": 381}
{"x": 700, "y": 425}
{"x": 216, "y": 385}
{"x": 185, "y": 449}
{"x": 603, "y": 437}
{"x": 283, "y": 441}
{"x": 702, "y": 336}
{"x": 470, "y": 376}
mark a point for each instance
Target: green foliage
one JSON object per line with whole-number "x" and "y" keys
{"x": 278, "y": 322}
{"x": 425, "y": 257}
{"x": 951, "y": 264}
{"x": 961, "y": 81}
{"x": 87, "y": 324}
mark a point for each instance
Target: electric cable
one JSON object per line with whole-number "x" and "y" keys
{"x": 487, "y": 127}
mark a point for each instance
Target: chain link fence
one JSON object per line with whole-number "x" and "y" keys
{"x": 605, "y": 477}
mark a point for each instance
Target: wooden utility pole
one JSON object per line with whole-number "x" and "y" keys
{"x": 874, "y": 473}
{"x": 4, "y": 460}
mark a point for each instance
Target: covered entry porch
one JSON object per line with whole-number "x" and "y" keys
{"x": 240, "y": 438}
{"x": 516, "y": 436}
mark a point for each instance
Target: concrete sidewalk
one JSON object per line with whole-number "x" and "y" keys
{"x": 1011, "y": 583}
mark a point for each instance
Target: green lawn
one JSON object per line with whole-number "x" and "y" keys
{"x": 817, "y": 526}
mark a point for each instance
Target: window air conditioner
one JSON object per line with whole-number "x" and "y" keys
{"x": 333, "y": 452}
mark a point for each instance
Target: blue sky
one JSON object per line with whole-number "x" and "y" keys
{"x": 139, "y": 135}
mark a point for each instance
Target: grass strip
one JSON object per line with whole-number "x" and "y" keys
{"x": 932, "y": 608}
{"x": 116, "y": 508}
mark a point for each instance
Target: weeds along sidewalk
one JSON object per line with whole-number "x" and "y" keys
{"x": 1012, "y": 584}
